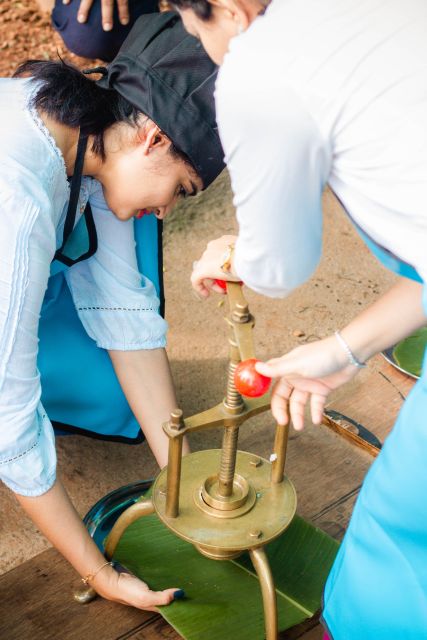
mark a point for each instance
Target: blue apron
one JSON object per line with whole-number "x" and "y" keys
{"x": 80, "y": 390}
{"x": 377, "y": 588}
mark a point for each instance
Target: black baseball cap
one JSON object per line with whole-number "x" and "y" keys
{"x": 165, "y": 73}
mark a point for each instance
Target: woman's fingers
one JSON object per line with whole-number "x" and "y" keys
{"x": 297, "y": 403}
{"x": 163, "y": 598}
{"x": 84, "y": 10}
{"x": 279, "y": 401}
{"x": 123, "y": 7}
{"x": 153, "y": 599}
{"x": 107, "y": 10}
{"x": 317, "y": 405}
{"x": 133, "y": 591}
{"x": 199, "y": 285}
{"x": 296, "y": 392}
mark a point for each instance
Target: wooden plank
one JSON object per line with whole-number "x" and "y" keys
{"x": 157, "y": 629}
{"x": 334, "y": 518}
{"x": 316, "y": 633}
{"x": 160, "y": 630}
{"x": 36, "y": 603}
{"x": 300, "y": 630}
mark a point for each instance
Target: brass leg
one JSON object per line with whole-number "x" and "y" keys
{"x": 269, "y": 599}
{"x": 173, "y": 478}
{"x": 136, "y": 511}
{"x": 280, "y": 446}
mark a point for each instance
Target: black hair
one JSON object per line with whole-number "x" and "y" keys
{"x": 71, "y": 98}
{"x": 202, "y": 8}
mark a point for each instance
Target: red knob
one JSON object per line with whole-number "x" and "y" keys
{"x": 248, "y": 381}
{"x": 223, "y": 283}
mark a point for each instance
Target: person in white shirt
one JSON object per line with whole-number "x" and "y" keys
{"x": 137, "y": 142}
{"x": 312, "y": 93}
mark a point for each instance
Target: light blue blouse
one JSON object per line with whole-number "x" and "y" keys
{"x": 116, "y": 304}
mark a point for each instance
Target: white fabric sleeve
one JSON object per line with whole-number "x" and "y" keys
{"x": 27, "y": 243}
{"x": 278, "y": 164}
{"x": 118, "y": 307}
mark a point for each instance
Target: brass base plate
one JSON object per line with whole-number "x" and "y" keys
{"x": 272, "y": 511}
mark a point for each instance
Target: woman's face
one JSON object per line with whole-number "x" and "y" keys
{"x": 228, "y": 19}
{"x": 140, "y": 174}
{"x": 214, "y": 34}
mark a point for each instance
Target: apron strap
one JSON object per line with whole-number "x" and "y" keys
{"x": 70, "y": 219}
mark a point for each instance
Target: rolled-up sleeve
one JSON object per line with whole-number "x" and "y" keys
{"x": 278, "y": 164}
{"x": 27, "y": 243}
{"x": 118, "y": 306}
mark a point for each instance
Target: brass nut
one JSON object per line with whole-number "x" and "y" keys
{"x": 256, "y": 533}
{"x": 241, "y": 313}
{"x": 256, "y": 462}
{"x": 177, "y": 421}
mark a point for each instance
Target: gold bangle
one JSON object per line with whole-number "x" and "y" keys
{"x": 91, "y": 576}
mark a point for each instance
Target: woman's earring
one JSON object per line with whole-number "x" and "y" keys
{"x": 239, "y": 29}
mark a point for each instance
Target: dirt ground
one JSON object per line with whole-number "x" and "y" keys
{"x": 347, "y": 280}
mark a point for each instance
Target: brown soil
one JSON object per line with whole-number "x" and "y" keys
{"x": 347, "y": 279}
{"x": 26, "y": 32}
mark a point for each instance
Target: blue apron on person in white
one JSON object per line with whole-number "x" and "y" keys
{"x": 377, "y": 588}
{"x": 80, "y": 390}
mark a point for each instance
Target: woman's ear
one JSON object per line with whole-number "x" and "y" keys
{"x": 151, "y": 137}
{"x": 240, "y": 11}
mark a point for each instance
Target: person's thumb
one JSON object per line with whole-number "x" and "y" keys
{"x": 273, "y": 368}
{"x": 163, "y": 598}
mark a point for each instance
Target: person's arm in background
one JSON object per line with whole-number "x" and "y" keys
{"x": 279, "y": 164}
{"x": 310, "y": 372}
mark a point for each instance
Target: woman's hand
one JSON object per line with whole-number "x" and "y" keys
{"x": 56, "y": 518}
{"x": 312, "y": 371}
{"x": 208, "y": 268}
{"x": 127, "y": 589}
{"x": 308, "y": 373}
{"x": 107, "y": 12}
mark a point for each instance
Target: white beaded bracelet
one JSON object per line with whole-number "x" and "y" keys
{"x": 351, "y": 357}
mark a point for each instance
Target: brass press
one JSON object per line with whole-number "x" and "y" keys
{"x": 223, "y": 501}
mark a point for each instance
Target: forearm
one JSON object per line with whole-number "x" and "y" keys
{"x": 146, "y": 381}
{"x": 57, "y": 519}
{"x": 395, "y": 315}
{"x": 55, "y": 516}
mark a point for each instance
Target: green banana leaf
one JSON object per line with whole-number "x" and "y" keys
{"x": 409, "y": 353}
{"x": 223, "y": 598}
